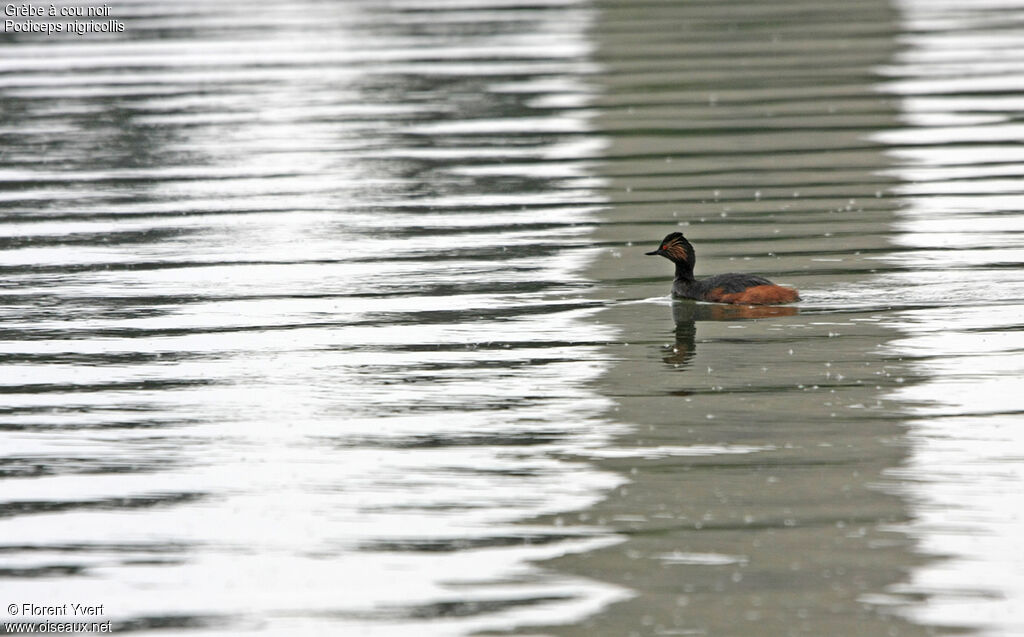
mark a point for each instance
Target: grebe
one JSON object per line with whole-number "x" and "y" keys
{"x": 739, "y": 289}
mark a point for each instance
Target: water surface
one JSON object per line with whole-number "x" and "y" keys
{"x": 335, "y": 317}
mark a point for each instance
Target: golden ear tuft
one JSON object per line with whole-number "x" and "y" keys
{"x": 677, "y": 251}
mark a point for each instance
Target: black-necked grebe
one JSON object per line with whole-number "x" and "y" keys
{"x": 740, "y": 289}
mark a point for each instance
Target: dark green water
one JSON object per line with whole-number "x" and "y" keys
{"x": 334, "y": 318}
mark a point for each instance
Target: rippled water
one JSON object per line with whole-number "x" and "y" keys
{"x": 335, "y": 317}
{"x": 961, "y": 226}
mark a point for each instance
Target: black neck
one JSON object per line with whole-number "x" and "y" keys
{"x": 684, "y": 271}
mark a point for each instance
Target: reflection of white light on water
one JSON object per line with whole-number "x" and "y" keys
{"x": 360, "y": 453}
{"x": 959, "y": 159}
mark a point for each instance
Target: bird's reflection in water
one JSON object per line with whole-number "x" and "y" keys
{"x": 687, "y": 313}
